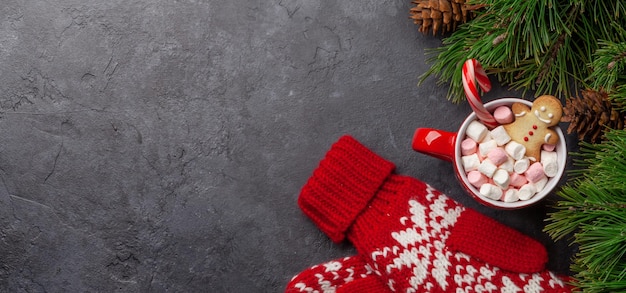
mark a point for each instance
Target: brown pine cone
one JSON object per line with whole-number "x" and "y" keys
{"x": 591, "y": 115}
{"x": 440, "y": 15}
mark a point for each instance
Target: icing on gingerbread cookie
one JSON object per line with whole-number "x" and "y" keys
{"x": 531, "y": 127}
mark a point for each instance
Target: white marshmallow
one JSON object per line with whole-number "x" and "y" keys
{"x": 508, "y": 165}
{"x": 515, "y": 150}
{"x": 487, "y": 137}
{"x": 488, "y": 168}
{"x": 470, "y": 162}
{"x": 485, "y": 147}
{"x": 511, "y": 195}
{"x": 500, "y": 135}
{"x": 491, "y": 191}
{"x": 550, "y": 163}
{"x": 520, "y": 166}
{"x": 501, "y": 178}
{"x": 539, "y": 185}
{"x": 526, "y": 192}
{"x": 476, "y": 131}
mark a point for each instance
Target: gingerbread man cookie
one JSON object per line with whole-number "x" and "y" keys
{"x": 531, "y": 127}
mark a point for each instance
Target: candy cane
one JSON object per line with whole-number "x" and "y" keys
{"x": 474, "y": 73}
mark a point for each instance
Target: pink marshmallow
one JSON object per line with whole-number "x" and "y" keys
{"x": 468, "y": 146}
{"x": 497, "y": 156}
{"x": 503, "y": 115}
{"x": 476, "y": 178}
{"x": 535, "y": 172}
{"x": 548, "y": 147}
{"x": 517, "y": 180}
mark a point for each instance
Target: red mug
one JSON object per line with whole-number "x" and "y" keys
{"x": 447, "y": 146}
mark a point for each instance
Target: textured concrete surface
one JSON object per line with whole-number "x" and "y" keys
{"x": 159, "y": 146}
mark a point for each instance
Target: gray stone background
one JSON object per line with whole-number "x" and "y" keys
{"x": 160, "y": 146}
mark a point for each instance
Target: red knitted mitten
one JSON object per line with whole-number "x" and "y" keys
{"x": 416, "y": 238}
{"x": 347, "y": 275}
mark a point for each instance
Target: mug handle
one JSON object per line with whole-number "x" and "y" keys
{"x": 435, "y": 143}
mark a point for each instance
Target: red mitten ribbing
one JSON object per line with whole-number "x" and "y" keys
{"x": 417, "y": 238}
{"x": 349, "y": 175}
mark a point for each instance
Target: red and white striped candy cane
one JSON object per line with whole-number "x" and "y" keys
{"x": 474, "y": 73}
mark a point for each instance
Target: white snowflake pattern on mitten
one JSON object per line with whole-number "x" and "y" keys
{"x": 420, "y": 248}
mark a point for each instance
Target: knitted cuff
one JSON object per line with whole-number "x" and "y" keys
{"x": 342, "y": 185}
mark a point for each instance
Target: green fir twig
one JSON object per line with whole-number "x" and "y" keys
{"x": 609, "y": 68}
{"x": 593, "y": 210}
{"x": 529, "y": 45}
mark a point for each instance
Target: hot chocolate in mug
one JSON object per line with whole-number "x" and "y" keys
{"x": 446, "y": 145}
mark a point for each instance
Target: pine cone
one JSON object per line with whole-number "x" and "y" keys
{"x": 591, "y": 115}
{"x": 440, "y": 15}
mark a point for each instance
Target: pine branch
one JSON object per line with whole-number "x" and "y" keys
{"x": 593, "y": 210}
{"x": 529, "y": 45}
{"x": 609, "y": 62}
{"x": 609, "y": 68}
